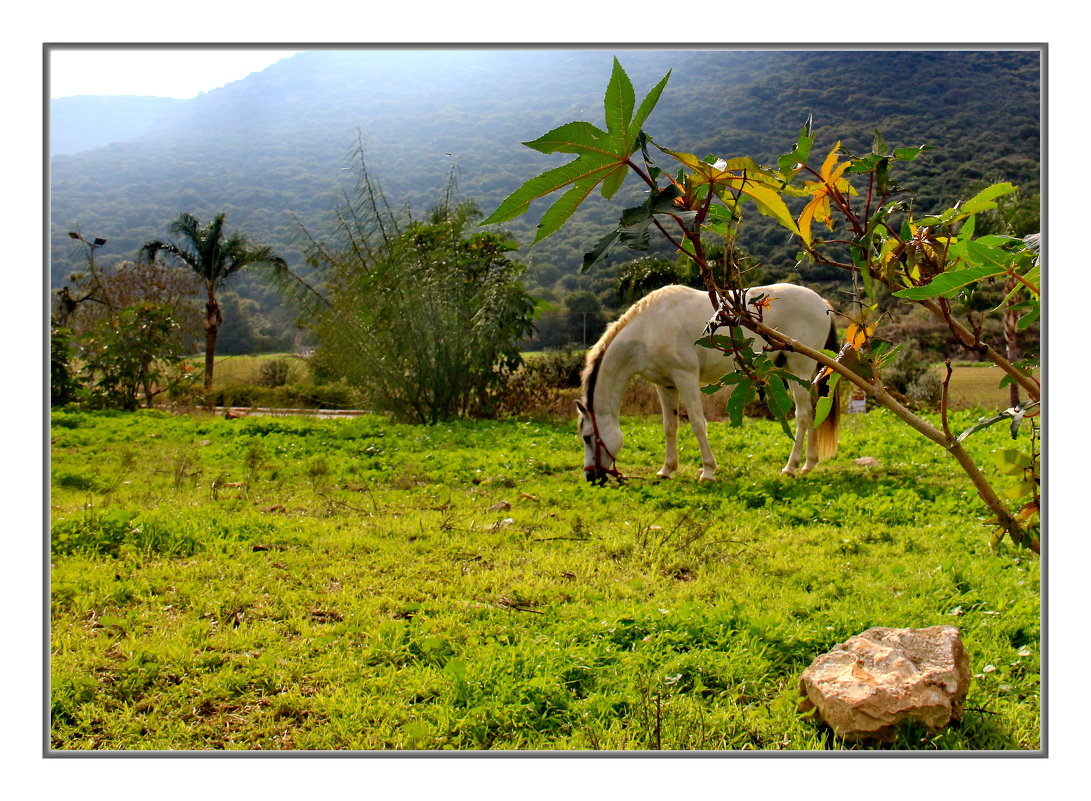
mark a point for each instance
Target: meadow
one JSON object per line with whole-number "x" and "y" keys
{"x": 290, "y": 583}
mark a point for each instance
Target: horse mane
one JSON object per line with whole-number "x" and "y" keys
{"x": 590, "y": 373}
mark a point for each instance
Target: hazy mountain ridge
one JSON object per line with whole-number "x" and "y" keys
{"x": 272, "y": 147}
{"x": 86, "y": 122}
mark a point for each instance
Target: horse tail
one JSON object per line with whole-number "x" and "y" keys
{"x": 826, "y": 435}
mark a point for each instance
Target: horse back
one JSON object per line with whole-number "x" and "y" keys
{"x": 676, "y": 317}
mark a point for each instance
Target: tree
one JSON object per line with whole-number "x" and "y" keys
{"x": 934, "y": 261}
{"x": 128, "y": 354}
{"x": 91, "y": 296}
{"x": 420, "y": 317}
{"x": 214, "y": 257}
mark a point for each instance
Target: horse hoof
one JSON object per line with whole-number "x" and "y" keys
{"x": 706, "y": 479}
{"x": 788, "y": 472}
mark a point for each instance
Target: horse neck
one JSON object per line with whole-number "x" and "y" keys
{"x": 612, "y": 377}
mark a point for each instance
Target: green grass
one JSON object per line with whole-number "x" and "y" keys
{"x": 354, "y": 584}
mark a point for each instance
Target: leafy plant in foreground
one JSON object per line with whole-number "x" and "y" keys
{"x": 934, "y": 261}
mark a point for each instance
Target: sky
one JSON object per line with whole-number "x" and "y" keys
{"x": 159, "y": 73}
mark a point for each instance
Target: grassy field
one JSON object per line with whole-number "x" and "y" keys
{"x": 354, "y": 584}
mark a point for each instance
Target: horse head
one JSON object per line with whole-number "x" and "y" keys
{"x": 602, "y": 441}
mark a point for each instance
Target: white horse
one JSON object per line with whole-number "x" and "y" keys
{"x": 655, "y": 339}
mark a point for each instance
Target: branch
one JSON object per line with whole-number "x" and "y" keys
{"x": 984, "y": 490}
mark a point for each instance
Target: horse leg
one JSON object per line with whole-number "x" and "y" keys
{"x": 691, "y": 397}
{"x": 804, "y": 431}
{"x": 668, "y": 400}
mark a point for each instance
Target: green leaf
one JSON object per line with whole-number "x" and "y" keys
{"x": 1029, "y": 319}
{"x": 548, "y": 182}
{"x": 983, "y": 200}
{"x": 741, "y": 395}
{"x": 802, "y": 150}
{"x": 619, "y": 102}
{"x": 602, "y": 157}
{"x": 561, "y": 210}
{"x": 858, "y": 254}
{"x": 572, "y": 137}
{"x": 649, "y": 103}
{"x": 949, "y": 284}
{"x": 825, "y": 402}
{"x": 910, "y": 153}
{"x": 632, "y": 230}
{"x": 779, "y": 401}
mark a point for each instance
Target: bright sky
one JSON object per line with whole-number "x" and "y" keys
{"x": 158, "y": 73}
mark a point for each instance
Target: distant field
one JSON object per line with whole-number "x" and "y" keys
{"x": 247, "y": 369}
{"x": 976, "y": 385}
{"x": 972, "y": 385}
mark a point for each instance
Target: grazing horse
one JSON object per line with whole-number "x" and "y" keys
{"x": 655, "y": 339}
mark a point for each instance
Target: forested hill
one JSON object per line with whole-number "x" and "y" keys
{"x": 273, "y": 148}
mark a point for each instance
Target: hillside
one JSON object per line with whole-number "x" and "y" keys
{"x": 271, "y": 149}
{"x": 86, "y": 122}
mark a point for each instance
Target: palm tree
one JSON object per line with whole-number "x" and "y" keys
{"x": 214, "y": 257}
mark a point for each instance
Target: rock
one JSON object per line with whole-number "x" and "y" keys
{"x": 864, "y": 687}
{"x": 866, "y": 461}
{"x": 503, "y": 506}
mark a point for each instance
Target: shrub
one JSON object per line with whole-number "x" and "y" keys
{"x": 541, "y": 386}
{"x": 274, "y": 373}
{"x": 420, "y": 316}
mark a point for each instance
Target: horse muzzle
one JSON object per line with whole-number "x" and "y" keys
{"x": 596, "y": 475}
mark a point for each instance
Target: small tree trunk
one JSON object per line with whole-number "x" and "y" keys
{"x": 213, "y": 319}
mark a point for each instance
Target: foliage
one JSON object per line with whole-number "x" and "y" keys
{"x": 117, "y": 333}
{"x": 63, "y": 385}
{"x": 542, "y": 385}
{"x": 421, "y": 318}
{"x": 96, "y": 293}
{"x": 128, "y": 355}
{"x": 350, "y": 584}
{"x": 274, "y": 373}
{"x": 294, "y": 395}
{"x": 878, "y": 239}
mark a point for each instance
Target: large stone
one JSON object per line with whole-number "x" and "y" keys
{"x": 864, "y": 687}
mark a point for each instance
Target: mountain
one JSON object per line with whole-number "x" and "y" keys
{"x": 85, "y": 122}
{"x": 272, "y": 149}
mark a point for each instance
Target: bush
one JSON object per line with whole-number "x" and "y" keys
{"x": 274, "y": 373}
{"x": 422, "y": 317}
{"x": 542, "y": 386}
{"x": 292, "y": 396}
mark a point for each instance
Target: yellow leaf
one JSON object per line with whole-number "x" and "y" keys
{"x": 827, "y": 165}
{"x": 805, "y": 218}
{"x": 856, "y": 335}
